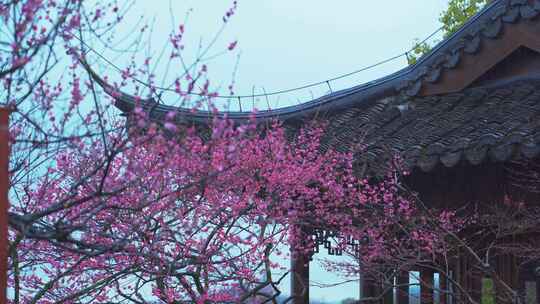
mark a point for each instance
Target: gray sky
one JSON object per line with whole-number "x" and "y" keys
{"x": 289, "y": 43}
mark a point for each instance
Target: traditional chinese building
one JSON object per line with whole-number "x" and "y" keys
{"x": 459, "y": 119}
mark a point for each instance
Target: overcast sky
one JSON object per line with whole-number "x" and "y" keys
{"x": 290, "y": 43}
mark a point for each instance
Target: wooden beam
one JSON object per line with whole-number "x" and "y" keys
{"x": 473, "y": 66}
{"x": 4, "y": 203}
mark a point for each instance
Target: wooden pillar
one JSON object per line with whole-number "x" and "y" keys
{"x": 299, "y": 277}
{"x": 507, "y": 270}
{"x": 443, "y": 289}
{"x": 426, "y": 286}
{"x": 468, "y": 280}
{"x": 4, "y": 204}
{"x": 471, "y": 281}
{"x": 403, "y": 287}
{"x": 458, "y": 280}
{"x": 522, "y": 287}
{"x": 475, "y": 289}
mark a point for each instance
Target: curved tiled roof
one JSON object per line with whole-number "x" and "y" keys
{"x": 493, "y": 122}
{"x": 389, "y": 116}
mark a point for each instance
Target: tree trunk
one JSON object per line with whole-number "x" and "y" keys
{"x": 299, "y": 276}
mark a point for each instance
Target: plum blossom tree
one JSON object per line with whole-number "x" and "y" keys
{"x": 159, "y": 211}
{"x": 187, "y": 218}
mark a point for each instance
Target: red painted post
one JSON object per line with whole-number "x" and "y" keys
{"x": 4, "y": 204}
